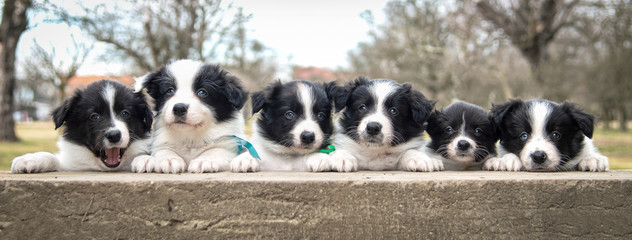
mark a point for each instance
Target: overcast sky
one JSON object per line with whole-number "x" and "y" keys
{"x": 301, "y": 32}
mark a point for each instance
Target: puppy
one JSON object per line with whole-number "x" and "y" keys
{"x": 295, "y": 122}
{"x": 105, "y": 127}
{"x": 198, "y": 120}
{"x": 541, "y": 135}
{"x": 462, "y": 135}
{"x": 381, "y": 127}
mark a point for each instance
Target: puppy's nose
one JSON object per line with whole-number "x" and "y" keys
{"x": 538, "y": 156}
{"x": 463, "y": 145}
{"x": 307, "y": 137}
{"x": 373, "y": 128}
{"x": 180, "y": 109}
{"x": 113, "y": 136}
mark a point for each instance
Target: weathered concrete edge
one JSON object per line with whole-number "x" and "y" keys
{"x": 324, "y": 205}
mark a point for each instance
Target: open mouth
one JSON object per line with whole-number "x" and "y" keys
{"x": 111, "y": 157}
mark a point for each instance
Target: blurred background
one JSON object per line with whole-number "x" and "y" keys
{"x": 483, "y": 51}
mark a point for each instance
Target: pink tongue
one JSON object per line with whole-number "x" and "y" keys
{"x": 112, "y": 155}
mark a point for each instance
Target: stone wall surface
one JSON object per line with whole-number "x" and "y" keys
{"x": 295, "y": 205}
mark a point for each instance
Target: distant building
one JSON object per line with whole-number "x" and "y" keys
{"x": 313, "y": 74}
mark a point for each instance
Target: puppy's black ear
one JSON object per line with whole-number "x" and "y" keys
{"x": 258, "y": 101}
{"x": 495, "y": 128}
{"x": 148, "y": 115}
{"x": 234, "y": 92}
{"x": 433, "y": 122}
{"x": 420, "y": 106}
{"x": 61, "y": 112}
{"x": 148, "y": 82}
{"x": 585, "y": 121}
{"x": 340, "y": 94}
{"x": 500, "y": 111}
{"x": 337, "y": 94}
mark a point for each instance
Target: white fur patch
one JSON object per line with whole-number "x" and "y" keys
{"x": 309, "y": 124}
{"x": 109, "y": 94}
{"x": 455, "y": 154}
{"x": 200, "y": 144}
{"x": 538, "y": 139}
{"x": 380, "y": 91}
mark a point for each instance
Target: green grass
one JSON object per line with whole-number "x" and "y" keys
{"x": 35, "y": 137}
{"x": 615, "y": 145}
{"x": 41, "y": 136}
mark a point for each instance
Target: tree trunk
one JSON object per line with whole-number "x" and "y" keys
{"x": 14, "y": 22}
{"x": 606, "y": 119}
{"x": 623, "y": 119}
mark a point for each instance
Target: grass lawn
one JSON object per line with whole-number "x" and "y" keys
{"x": 40, "y": 136}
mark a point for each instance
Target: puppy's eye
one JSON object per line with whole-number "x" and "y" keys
{"x": 524, "y": 136}
{"x": 393, "y": 111}
{"x": 289, "y": 115}
{"x": 202, "y": 93}
{"x": 556, "y": 135}
{"x": 449, "y": 130}
{"x": 362, "y": 108}
{"x": 125, "y": 114}
{"x": 478, "y": 132}
{"x": 95, "y": 116}
{"x": 170, "y": 91}
{"x": 321, "y": 116}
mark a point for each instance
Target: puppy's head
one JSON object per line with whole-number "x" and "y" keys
{"x": 106, "y": 118}
{"x": 296, "y": 115}
{"x": 380, "y": 112}
{"x": 191, "y": 94}
{"x": 462, "y": 132}
{"x": 545, "y": 135}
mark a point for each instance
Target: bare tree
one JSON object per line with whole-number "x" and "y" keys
{"x": 47, "y": 69}
{"x": 14, "y": 22}
{"x": 610, "y": 77}
{"x": 410, "y": 47}
{"x": 530, "y": 24}
{"x": 168, "y": 30}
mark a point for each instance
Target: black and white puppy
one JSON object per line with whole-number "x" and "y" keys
{"x": 462, "y": 135}
{"x": 106, "y": 126}
{"x": 294, "y": 123}
{"x": 540, "y": 135}
{"x": 381, "y": 127}
{"x": 197, "y": 114}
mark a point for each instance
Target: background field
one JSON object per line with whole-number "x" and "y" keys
{"x": 40, "y": 136}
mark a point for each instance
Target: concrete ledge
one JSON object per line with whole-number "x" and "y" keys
{"x": 286, "y": 205}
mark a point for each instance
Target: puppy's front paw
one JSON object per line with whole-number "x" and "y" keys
{"x": 509, "y": 162}
{"x": 35, "y": 163}
{"x": 416, "y": 161}
{"x": 341, "y": 161}
{"x": 318, "y": 162}
{"x": 170, "y": 164}
{"x": 245, "y": 163}
{"x": 594, "y": 163}
{"x": 207, "y": 164}
{"x": 143, "y": 164}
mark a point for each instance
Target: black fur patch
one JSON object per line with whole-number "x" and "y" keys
{"x": 413, "y": 108}
{"x": 452, "y": 117}
{"x": 277, "y": 99}
{"x": 86, "y": 115}
{"x": 514, "y": 117}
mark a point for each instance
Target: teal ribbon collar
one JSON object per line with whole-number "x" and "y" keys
{"x": 242, "y": 143}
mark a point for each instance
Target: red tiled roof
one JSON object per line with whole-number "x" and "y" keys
{"x": 83, "y": 81}
{"x": 313, "y": 73}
